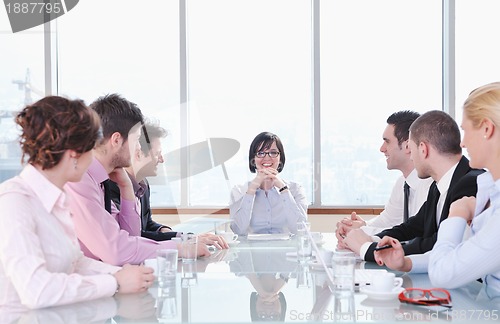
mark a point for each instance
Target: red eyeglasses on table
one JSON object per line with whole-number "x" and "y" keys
{"x": 426, "y": 297}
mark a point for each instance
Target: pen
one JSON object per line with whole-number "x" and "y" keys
{"x": 388, "y": 246}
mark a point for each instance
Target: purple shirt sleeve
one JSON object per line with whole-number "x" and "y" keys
{"x": 113, "y": 239}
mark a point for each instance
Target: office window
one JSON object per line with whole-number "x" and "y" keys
{"x": 377, "y": 57}
{"x": 249, "y": 69}
{"x": 21, "y": 83}
{"x": 477, "y": 49}
{"x": 117, "y": 46}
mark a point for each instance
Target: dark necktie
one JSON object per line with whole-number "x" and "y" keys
{"x": 107, "y": 195}
{"x": 406, "y": 212}
{"x": 433, "y": 199}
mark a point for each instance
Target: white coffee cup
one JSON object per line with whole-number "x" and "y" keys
{"x": 229, "y": 237}
{"x": 152, "y": 263}
{"x": 385, "y": 282}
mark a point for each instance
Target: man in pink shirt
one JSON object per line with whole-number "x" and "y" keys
{"x": 104, "y": 232}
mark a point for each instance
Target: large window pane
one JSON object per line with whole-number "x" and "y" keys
{"x": 118, "y": 46}
{"x": 21, "y": 83}
{"x": 477, "y": 49}
{"x": 377, "y": 57}
{"x": 249, "y": 66}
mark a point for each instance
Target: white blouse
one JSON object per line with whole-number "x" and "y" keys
{"x": 40, "y": 259}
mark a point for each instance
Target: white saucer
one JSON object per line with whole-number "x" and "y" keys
{"x": 233, "y": 243}
{"x": 376, "y": 303}
{"x": 319, "y": 242}
{"x": 377, "y": 295}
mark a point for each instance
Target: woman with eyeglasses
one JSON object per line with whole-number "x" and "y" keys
{"x": 267, "y": 204}
{"x": 453, "y": 262}
{"x": 41, "y": 263}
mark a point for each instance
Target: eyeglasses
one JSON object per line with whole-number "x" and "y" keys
{"x": 272, "y": 154}
{"x": 427, "y": 297}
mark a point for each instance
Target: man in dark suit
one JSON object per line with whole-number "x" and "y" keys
{"x": 145, "y": 163}
{"x": 436, "y": 152}
{"x": 149, "y": 228}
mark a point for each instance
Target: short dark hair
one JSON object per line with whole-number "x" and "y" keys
{"x": 53, "y": 125}
{"x": 150, "y": 130}
{"x": 263, "y": 141}
{"x": 402, "y": 121}
{"x": 117, "y": 115}
{"x": 253, "y": 308}
{"x": 438, "y": 129}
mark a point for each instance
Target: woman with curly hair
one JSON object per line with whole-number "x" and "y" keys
{"x": 41, "y": 263}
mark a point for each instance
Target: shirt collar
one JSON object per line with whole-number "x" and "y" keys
{"x": 495, "y": 193}
{"x": 97, "y": 171}
{"x": 444, "y": 182}
{"x": 485, "y": 181}
{"x": 50, "y": 195}
{"x": 413, "y": 179}
{"x": 138, "y": 187}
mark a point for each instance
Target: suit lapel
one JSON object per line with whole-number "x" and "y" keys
{"x": 461, "y": 170}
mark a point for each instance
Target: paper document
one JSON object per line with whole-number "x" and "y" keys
{"x": 268, "y": 237}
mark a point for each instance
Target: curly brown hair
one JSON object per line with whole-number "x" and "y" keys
{"x": 53, "y": 125}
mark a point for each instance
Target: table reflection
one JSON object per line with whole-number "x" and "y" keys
{"x": 268, "y": 272}
{"x": 261, "y": 282}
{"x": 95, "y": 311}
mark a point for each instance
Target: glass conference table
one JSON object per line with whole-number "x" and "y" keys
{"x": 263, "y": 281}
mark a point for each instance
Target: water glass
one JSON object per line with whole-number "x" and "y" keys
{"x": 166, "y": 266}
{"x": 344, "y": 309}
{"x": 303, "y": 227}
{"x": 343, "y": 273}
{"x": 304, "y": 245}
{"x": 166, "y": 308}
{"x": 189, "y": 275}
{"x": 304, "y": 277}
{"x": 304, "y": 250}
{"x": 189, "y": 247}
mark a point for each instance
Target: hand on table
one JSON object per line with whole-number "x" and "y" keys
{"x": 134, "y": 278}
{"x": 352, "y": 222}
{"x": 355, "y": 239}
{"x": 211, "y": 239}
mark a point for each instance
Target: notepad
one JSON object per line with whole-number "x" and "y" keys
{"x": 268, "y": 237}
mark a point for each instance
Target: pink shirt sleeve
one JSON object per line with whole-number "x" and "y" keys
{"x": 102, "y": 236}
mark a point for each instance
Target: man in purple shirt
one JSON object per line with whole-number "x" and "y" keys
{"x": 113, "y": 236}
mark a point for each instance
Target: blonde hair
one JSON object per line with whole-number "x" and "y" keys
{"x": 484, "y": 103}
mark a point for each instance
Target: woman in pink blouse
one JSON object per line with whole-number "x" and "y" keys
{"x": 41, "y": 263}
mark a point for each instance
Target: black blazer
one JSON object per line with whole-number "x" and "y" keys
{"x": 149, "y": 228}
{"x": 421, "y": 229}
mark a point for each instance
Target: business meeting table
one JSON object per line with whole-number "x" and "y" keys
{"x": 262, "y": 280}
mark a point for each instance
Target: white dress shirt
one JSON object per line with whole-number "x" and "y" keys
{"x": 40, "y": 259}
{"x": 392, "y": 214}
{"x": 453, "y": 262}
{"x": 267, "y": 212}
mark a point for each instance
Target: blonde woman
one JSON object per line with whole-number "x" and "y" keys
{"x": 454, "y": 263}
